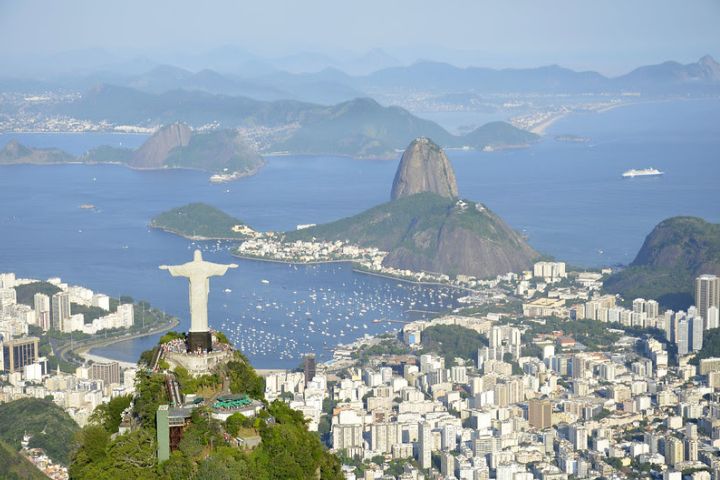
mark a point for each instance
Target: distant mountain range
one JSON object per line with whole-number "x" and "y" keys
{"x": 668, "y": 77}
{"x": 677, "y": 251}
{"x": 359, "y": 128}
{"x": 329, "y": 84}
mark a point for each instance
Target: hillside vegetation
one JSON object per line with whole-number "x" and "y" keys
{"x": 287, "y": 449}
{"x": 427, "y": 232}
{"x": 711, "y": 346}
{"x": 26, "y": 293}
{"x": 51, "y": 428}
{"x": 677, "y": 251}
{"x": 453, "y": 341}
{"x": 498, "y": 134}
{"x": 216, "y": 151}
{"x": 14, "y": 466}
{"x": 360, "y": 127}
{"x": 198, "y": 220}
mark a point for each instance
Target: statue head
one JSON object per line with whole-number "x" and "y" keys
{"x": 197, "y": 256}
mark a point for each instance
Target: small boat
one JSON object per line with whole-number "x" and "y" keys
{"x": 646, "y": 172}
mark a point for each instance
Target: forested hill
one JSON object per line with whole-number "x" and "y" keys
{"x": 50, "y": 427}
{"x": 207, "y": 451}
{"x": 359, "y": 128}
{"x": 677, "y": 251}
{"x": 198, "y": 221}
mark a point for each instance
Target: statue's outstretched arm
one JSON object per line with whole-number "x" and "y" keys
{"x": 175, "y": 270}
{"x": 218, "y": 269}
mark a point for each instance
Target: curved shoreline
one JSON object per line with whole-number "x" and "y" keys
{"x": 415, "y": 282}
{"x": 357, "y": 270}
{"x": 194, "y": 238}
{"x": 86, "y": 349}
{"x": 290, "y": 262}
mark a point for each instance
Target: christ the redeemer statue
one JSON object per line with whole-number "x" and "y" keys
{"x": 198, "y": 272}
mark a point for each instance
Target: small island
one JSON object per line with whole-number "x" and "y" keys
{"x": 200, "y": 221}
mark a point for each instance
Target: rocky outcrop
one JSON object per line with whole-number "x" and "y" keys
{"x": 154, "y": 152}
{"x": 424, "y": 167}
{"x": 425, "y": 227}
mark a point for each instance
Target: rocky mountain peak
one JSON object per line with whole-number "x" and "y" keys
{"x": 15, "y": 149}
{"x": 711, "y": 67}
{"x": 155, "y": 150}
{"x": 424, "y": 167}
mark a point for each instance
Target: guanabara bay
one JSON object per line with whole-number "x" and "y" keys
{"x": 403, "y": 240}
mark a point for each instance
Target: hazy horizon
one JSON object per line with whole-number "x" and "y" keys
{"x": 610, "y": 37}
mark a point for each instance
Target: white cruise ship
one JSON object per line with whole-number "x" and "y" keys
{"x": 646, "y": 172}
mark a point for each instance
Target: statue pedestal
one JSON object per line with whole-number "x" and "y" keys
{"x": 197, "y": 365}
{"x": 199, "y": 341}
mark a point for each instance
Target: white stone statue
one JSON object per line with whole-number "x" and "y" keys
{"x": 198, "y": 272}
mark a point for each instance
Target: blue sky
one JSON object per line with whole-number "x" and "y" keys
{"x": 607, "y": 35}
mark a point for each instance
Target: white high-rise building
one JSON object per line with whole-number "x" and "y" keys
{"x": 7, "y": 280}
{"x": 60, "y": 310}
{"x": 652, "y": 309}
{"x": 682, "y": 335}
{"x": 579, "y": 436}
{"x": 425, "y": 445}
{"x": 384, "y": 435}
{"x": 549, "y": 271}
{"x": 707, "y": 293}
{"x": 697, "y": 326}
{"x": 41, "y": 303}
{"x": 102, "y": 301}
{"x": 713, "y": 318}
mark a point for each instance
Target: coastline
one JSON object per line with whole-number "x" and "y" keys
{"x": 235, "y": 175}
{"x": 289, "y": 262}
{"x": 357, "y": 270}
{"x": 86, "y": 350}
{"x": 542, "y": 126}
{"x": 194, "y": 238}
{"x": 414, "y": 282}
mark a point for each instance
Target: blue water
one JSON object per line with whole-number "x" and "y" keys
{"x": 569, "y": 199}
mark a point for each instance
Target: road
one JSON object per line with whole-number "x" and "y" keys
{"x": 81, "y": 347}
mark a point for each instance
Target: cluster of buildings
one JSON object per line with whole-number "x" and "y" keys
{"x": 563, "y": 411}
{"x": 77, "y": 393}
{"x": 42, "y": 462}
{"x": 55, "y": 312}
{"x": 304, "y": 391}
{"x": 24, "y": 369}
{"x": 270, "y": 247}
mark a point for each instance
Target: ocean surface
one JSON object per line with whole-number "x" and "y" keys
{"x": 568, "y": 198}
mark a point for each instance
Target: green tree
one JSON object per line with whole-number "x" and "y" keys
{"x": 109, "y": 414}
